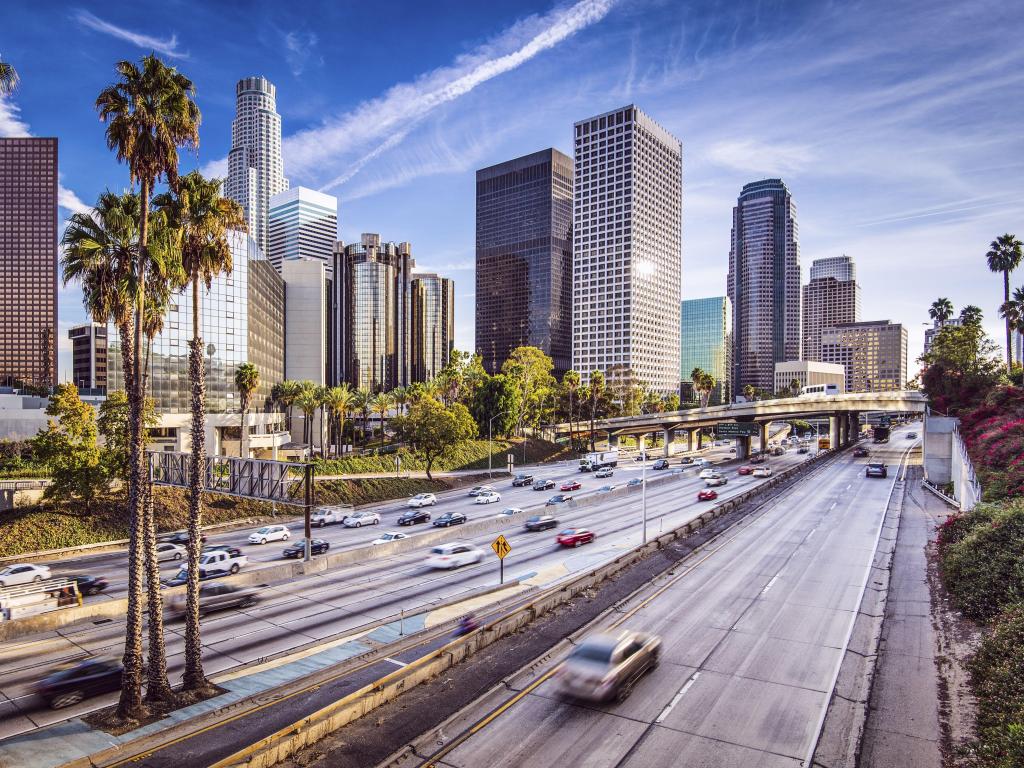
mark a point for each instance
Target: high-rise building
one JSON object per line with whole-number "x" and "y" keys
{"x": 706, "y": 343}
{"x": 28, "y": 261}
{"x": 931, "y": 333}
{"x": 89, "y": 356}
{"x": 764, "y": 283}
{"x": 255, "y": 167}
{"x": 303, "y": 224}
{"x": 808, "y": 372}
{"x": 627, "y": 249}
{"x": 433, "y": 325}
{"x": 874, "y": 354}
{"x": 372, "y": 308}
{"x": 831, "y": 298}
{"x": 524, "y": 258}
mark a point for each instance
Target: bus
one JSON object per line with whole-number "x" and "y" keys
{"x": 819, "y": 389}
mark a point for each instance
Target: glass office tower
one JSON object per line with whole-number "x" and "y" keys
{"x": 706, "y": 343}
{"x": 433, "y": 325}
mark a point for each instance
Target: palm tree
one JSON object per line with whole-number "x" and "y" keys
{"x": 571, "y": 383}
{"x": 363, "y": 403}
{"x": 8, "y": 78}
{"x": 401, "y": 397}
{"x": 286, "y": 392}
{"x": 383, "y": 403}
{"x": 247, "y": 381}
{"x": 1012, "y": 311}
{"x": 941, "y": 310}
{"x": 322, "y": 393}
{"x": 1004, "y": 256}
{"x": 338, "y": 401}
{"x": 707, "y": 385}
{"x": 596, "y": 391}
{"x": 307, "y": 402}
{"x": 971, "y": 315}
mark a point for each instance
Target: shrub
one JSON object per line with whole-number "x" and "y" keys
{"x": 997, "y": 675}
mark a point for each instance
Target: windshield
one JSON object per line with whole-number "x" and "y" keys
{"x": 439, "y": 551}
{"x": 592, "y": 652}
{"x": 263, "y": 530}
{"x": 567, "y": 532}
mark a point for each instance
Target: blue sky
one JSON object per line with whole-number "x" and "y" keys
{"x": 897, "y": 125}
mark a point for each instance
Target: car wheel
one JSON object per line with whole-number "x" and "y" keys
{"x": 376, "y": 522}
{"x": 177, "y": 555}
{"x": 577, "y": 543}
{"x": 263, "y": 541}
{"x": 37, "y": 579}
{"x": 321, "y": 524}
{"x": 68, "y": 699}
{"x": 359, "y": 525}
{"x": 286, "y": 537}
{"x": 234, "y": 569}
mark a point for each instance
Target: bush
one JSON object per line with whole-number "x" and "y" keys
{"x": 997, "y": 675}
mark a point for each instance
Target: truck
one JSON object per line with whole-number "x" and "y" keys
{"x": 330, "y": 515}
{"x": 218, "y": 562}
{"x": 881, "y": 434}
{"x": 593, "y": 461}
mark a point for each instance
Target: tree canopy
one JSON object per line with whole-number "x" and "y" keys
{"x": 432, "y": 430}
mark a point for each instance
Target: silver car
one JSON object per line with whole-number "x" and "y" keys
{"x": 607, "y": 666}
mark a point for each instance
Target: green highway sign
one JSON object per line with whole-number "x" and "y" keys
{"x": 737, "y": 429}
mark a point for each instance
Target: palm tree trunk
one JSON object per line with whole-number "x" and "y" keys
{"x": 241, "y": 436}
{"x": 593, "y": 409}
{"x": 1009, "y": 337}
{"x": 570, "y": 420}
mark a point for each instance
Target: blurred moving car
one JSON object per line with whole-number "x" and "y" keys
{"x": 686, "y": 460}
{"x": 746, "y": 469}
{"x": 570, "y": 485}
{"x": 707, "y": 494}
{"x": 607, "y": 666}
{"x": 454, "y": 555}
{"x": 216, "y": 597}
{"x": 509, "y": 511}
{"x": 707, "y": 472}
{"x": 167, "y": 551}
{"x": 181, "y": 537}
{"x": 90, "y": 585}
{"x": 606, "y": 488}
{"x": 778, "y": 451}
{"x": 298, "y": 548}
{"x": 634, "y": 482}
{"x": 450, "y": 518}
{"x": 522, "y": 480}
{"x": 558, "y": 498}
{"x": 389, "y": 537}
{"x": 876, "y": 469}
{"x": 540, "y": 522}
{"x": 414, "y": 516}
{"x": 543, "y": 484}
{"x": 487, "y": 497}
{"x": 757, "y": 458}
{"x": 604, "y": 472}
{"x": 359, "y": 519}
{"x": 23, "y": 573}
{"x": 763, "y": 472}
{"x": 861, "y": 452}
{"x": 575, "y": 537}
{"x": 476, "y": 490}
{"x": 803, "y": 449}
{"x": 71, "y": 683}
{"x": 269, "y": 533}
{"x": 422, "y": 500}
{"x": 660, "y": 464}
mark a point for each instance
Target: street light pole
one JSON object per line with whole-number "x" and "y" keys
{"x": 643, "y": 483}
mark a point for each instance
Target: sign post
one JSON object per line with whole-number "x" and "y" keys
{"x": 501, "y": 548}
{"x": 511, "y": 462}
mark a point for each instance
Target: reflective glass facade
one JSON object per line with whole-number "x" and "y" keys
{"x": 706, "y": 343}
{"x": 433, "y": 325}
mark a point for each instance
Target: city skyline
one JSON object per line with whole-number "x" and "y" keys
{"x": 933, "y": 202}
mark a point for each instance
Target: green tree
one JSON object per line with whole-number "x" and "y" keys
{"x": 68, "y": 448}
{"x": 247, "y": 381}
{"x": 339, "y": 402}
{"x": 498, "y": 398}
{"x": 961, "y": 368}
{"x": 597, "y": 391}
{"x": 529, "y": 370}
{"x": 308, "y": 402}
{"x": 383, "y": 403}
{"x": 672, "y": 402}
{"x": 1004, "y": 255}
{"x": 285, "y": 394}
{"x": 941, "y": 310}
{"x": 113, "y": 425}
{"x": 8, "y": 78}
{"x": 433, "y": 430}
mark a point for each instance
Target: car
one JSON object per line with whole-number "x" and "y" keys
{"x": 330, "y": 515}
{"x": 715, "y": 480}
{"x": 453, "y": 555}
{"x": 72, "y": 683}
{"x": 686, "y": 460}
{"x": 575, "y": 537}
{"x": 216, "y": 597}
{"x": 540, "y": 522}
{"x": 165, "y": 550}
{"x": 23, "y": 573}
{"x": 606, "y": 488}
{"x": 876, "y": 469}
{"x": 607, "y": 666}
{"x": 558, "y": 498}
{"x": 298, "y": 548}
{"x": 509, "y": 512}
{"x": 487, "y": 497}
{"x": 763, "y": 472}
{"x": 414, "y": 516}
{"x": 634, "y": 482}
{"x": 707, "y": 472}
{"x": 803, "y": 449}
{"x": 543, "y": 484}
{"x": 522, "y": 480}
{"x": 732, "y": 450}
{"x": 570, "y": 485}
{"x": 707, "y": 494}
{"x": 757, "y": 458}
{"x": 911, "y": 435}
{"x": 389, "y": 537}
{"x": 604, "y": 472}
{"x": 181, "y": 538}
{"x": 746, "y": 469}
{"x": 660, "y": 464}
{"x": 422, "y": 500}
{"x": 90, "y": 585}
{"x": 778, "y": 451}
{"x": 860, "y": 452}
{"x": 269, "y": 533}
{"x": 476, "y": 490}
{"x": 450, "y": 518}
{"x": 359, "y": 519}
{"x": 231, "y": 550}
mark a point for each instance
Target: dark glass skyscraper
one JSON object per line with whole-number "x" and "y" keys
{"x": 28, "y": 260}
{"x": 524, "y": 258}
{"x": 433, "y": 325}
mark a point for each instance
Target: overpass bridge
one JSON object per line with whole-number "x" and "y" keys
{"x": 842, "y": 411}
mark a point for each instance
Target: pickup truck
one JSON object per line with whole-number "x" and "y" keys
{"x": 218, "y": 562}
{"x": 330, "y": 515}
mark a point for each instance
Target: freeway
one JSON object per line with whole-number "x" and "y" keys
{"x": 321, "y": 606}
{"x": 753, "y": 630}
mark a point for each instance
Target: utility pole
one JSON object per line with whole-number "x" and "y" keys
{"x": 643, "y": 484}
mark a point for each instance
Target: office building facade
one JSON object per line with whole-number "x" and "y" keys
{"x": 873, "y": 353}
{"x": 524, "y": 258}
{"x": 706, "y": 343}
{"x": 302, "y": 224}
{"x": 764, "y": 283}
{"x": 89, "y": 356}
{"x": 28, "y": 261}
{"x": 931, "y": 333}
{"x": 433, "y": 325}
{"x": 255, "y": 165}
{"x": 627, "y": 249}
{"x": 808, "y": 372}
{"x": 831, "y": 298}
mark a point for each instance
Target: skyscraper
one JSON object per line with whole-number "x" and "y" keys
{"x": 89, "y": 356}
{"x": 706, "y": 343}
{"x": 303, "y": 224}
{"x": 255, "y": 167}
{"x": 524, "y": 258}
{"x": 627, "y": 249}
{"x": 764, "y": 283}
{"x": 831, "y": 298}
{"x": 433, "y": 325}
{"x": 874, "y": 354}
{"x": 28, "y": 261}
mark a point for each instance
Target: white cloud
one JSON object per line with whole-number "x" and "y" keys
{"x": 749, "y": 155}
{"x": 11, "y": 124}
{"x": 215, "y": 169}
{"x": 69, "y": 201}
{"x": 167, "y": 46}
{"x": 299, "y": 48}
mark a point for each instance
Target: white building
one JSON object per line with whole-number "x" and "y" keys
{"x": 306, "y": 323}
{"x": 302, "y": 224}
{"x": 627, "y": 249}
{"x": 808, "y": 372}
{"x": 255, "y": 167}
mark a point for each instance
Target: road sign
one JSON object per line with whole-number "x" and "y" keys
{"x": 737, "y": 429}
{"x": 501, "y": 547}
{"x": 885, "y": 420}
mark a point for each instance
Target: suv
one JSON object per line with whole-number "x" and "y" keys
{"x": 543, "y": 484}
{"x": 607, "y": 666}
{"x": 604, "y": 472}
{"x": 540, "y": 522}
{"x": 876, "y": 469}
{"x": 522, "y": 480}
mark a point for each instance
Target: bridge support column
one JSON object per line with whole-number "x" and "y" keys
{"x": 764, "y": 437}
{"x": 669, "y": 436}
{"x": 689, "y": 440}
{"x": 700, "y": 438}
{"x": 742, "y": 447}
{"x": 613, "y": 441}
{"x": 833, "y": 431}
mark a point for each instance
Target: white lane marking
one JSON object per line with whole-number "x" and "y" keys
{"x": 849, "y": 486}
{"x": 675, "y": 699}
{"x": 770, "y": 584}
{"x": 833, "y": 506}
{"x": 813, "y": 531}
{"x": 395, "y": 661}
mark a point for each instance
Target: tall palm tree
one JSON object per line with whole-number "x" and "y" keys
{"x": 597, "y": 387}
{"x": 1012, "y": 311}
{"x": 149, "y": 113}
{"x": 971, "y": 315}
{"x": 247, "y": 381}
{"x": 401, "y": 397}
{"x": 941, "y": 310}
{"x": 203, "y": 219}
{"x": 571, "y": 383}
{"x": 383, "y": 403}
{"x": 286, "y": 392}
{"x": 308, "y": 402}
{"x": 322, "y": 395}
{"x": 362, "y": 403}
{"x": 8, "y": 78}
{"x": 338, "y": 401}
{"x": 1004, "y": 256}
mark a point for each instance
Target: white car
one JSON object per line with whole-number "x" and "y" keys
{"x": 476, "y": 490}
{"x": 715, "y": 480}
{"x": 359, "y": 519}
{"x": 762, "y": 472}
{"x": 23, "y": 573}
{"x": 422, "y": 500}
{"x": 269, "y": 533}
{"x": 707, "y": 472}
{"x": 509, "y": 511}
{"x": 168, "y": 551}
{"x": 487, "y": 497}
{"x": 453, "y": 555}
{"x": 389, "y": 537}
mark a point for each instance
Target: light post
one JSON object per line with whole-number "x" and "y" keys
{"x": 490, "y": 426}
{"x": 643, "y": 484}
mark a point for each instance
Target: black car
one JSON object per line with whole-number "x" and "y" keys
{"x": 70, "y": 685}
{"x": 450, "y": 518}
{"x": 540, "y": 522}
{"x": 860, "y": 453}
{"x": 803, "y": 449}
{"x": 414, "y": 516}
{"x": 558, "y": 498}
{"x": 686, "y": 460}
{"x": 660, "y": 464}
{"x": 181, "y": 537}
{"x": 90, "y": 585}
{"x": 543, "y": 484}
{"x": 522, "y": 480}
{"x": 232, "y": 551}
{"x": 298, "y": 548}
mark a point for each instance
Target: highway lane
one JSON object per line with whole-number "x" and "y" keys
{"x": 753, "y": 632}
{"x": 315, "y": 607}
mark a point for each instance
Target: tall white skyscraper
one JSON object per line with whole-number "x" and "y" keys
{"x": 627, "y": 250}
{"x": 302, "y": 224}
{"x": 255, "y": 167}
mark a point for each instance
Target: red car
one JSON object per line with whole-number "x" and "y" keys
{"x": 575, "y": 537}
{"x": 708, "y": 494}
{"x": 572, "y": 485}
{"x": 745, "y": 470}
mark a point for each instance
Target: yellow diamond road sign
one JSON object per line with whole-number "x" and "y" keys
{"x": 501, "y": 547}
